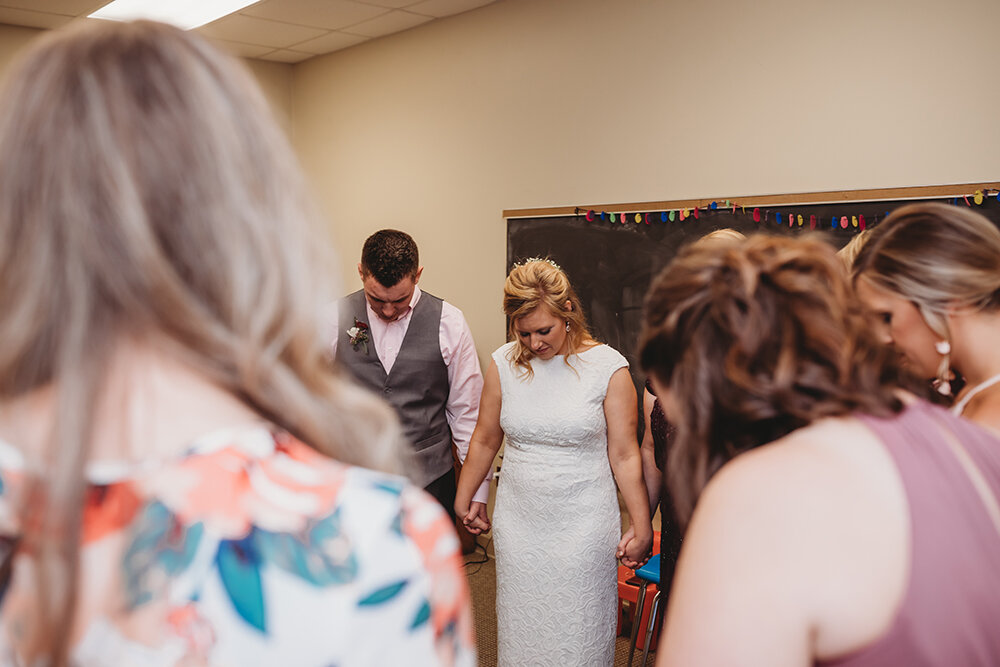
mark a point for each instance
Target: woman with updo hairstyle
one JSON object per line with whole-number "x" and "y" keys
{"x": 656, "y": 441}
{"x": 832, "y": 516}
{"x": 567, "y": 407}
{"x": 932, "y": 274}
{"x": 184, "y": 479}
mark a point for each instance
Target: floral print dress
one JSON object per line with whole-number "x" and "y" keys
{"x": 254, "y": 549}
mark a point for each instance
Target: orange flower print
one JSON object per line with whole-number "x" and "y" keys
{"x": 233, "y": 487}
{"x": 429, "y": 528}
{"x": 108, "y": 509}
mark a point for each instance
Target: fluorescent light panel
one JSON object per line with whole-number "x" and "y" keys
{"x": 184, "y": 14}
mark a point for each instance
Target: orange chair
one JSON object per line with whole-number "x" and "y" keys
{"x": 628, "y": 591}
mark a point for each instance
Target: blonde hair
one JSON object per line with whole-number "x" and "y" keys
{"x": 724, "y": 235}
{"x": 850, "y": 251}
{"x": 539, "y": 283}
{"x": 938, "y": 257}
{"x": 147, "y": 194}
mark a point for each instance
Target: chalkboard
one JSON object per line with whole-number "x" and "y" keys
{"x": 611, "y": 264}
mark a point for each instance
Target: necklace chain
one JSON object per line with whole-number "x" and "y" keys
{"x": 959, "y": 407}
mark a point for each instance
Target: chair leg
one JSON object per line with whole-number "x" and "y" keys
{"x": 649, "y": 628}
{"x": 636, "y": 621}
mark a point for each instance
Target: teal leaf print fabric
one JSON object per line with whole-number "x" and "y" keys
{"x": 160, "y": 548}
{"x": 323, "y": 555}
{"x": 382, "y": 595}
{"x": 239, "y": 569}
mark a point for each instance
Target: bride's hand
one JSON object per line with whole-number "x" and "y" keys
{"x": 476, "y": 521}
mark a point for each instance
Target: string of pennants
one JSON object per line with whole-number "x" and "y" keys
{"x": 759, "y": 214}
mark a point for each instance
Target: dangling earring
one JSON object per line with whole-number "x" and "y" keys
{"x": 567, "y": 326}
{"x": 942, "y": 383}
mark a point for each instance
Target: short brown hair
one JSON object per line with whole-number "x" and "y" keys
{"x": 390, "y": 255}
{"x": 755, "y": 340}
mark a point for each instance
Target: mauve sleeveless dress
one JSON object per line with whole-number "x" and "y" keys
{"x": 950, "y": 614}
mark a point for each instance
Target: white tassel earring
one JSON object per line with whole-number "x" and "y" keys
{"x": 942, "y": 383}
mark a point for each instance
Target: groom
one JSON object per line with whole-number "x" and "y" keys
{"x": 416, "y": 351}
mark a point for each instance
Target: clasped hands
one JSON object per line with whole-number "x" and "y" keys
{"x": 634, "y": 552}
{"x": 474, "y": 517}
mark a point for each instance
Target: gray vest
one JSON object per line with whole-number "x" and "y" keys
{"x": 417, "y": 386}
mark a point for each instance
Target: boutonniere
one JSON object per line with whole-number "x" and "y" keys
{"x": 358, "y": 334}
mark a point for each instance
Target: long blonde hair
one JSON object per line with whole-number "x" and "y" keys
{"x": 540, "y": 283}
{"x": 147, "y": 194}
{"x": 938, "y": 257}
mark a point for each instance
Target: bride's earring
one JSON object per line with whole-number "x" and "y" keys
{"x": 942, "y": 383}
{"x": 567, "y": 326}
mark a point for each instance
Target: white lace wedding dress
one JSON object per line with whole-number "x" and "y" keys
{"x": 556, "y": 522}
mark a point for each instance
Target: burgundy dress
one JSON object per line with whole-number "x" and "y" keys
{"x": 670, "y": 529}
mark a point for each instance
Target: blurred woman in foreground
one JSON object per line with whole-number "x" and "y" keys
{"x": 166, "y": 407}
{"x": 836, "y": 518}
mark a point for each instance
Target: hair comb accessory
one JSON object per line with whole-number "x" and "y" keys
{"x": 537, "y": 259}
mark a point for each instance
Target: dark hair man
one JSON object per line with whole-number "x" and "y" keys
{"x": 417, "y": 352}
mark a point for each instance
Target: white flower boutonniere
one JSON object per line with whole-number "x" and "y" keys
{"x": 358, "y": 335}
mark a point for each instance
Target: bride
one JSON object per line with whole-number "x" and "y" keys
{"x": 567, "y": 406}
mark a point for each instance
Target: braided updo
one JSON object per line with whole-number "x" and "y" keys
{"x": 755, "y": 340}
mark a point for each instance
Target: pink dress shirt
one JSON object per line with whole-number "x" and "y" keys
{"x": 458, "y": 351}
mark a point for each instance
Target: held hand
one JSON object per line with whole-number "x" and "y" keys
{"x": 476, "y": 520}
{"x": 637, "y": 550}
{"x": 631, "y": 552}
{"x": 626, "y": 538}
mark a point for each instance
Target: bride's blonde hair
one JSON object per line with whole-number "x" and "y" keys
{"x": 541, "y": 283}
{"x": 146, "y": 193}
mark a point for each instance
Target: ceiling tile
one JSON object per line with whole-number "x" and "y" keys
{"x": 330, "y": 14}
{"x": 67, "y": 7}
{"x": 333, "y": 41}
{"x": 249, "y": 30}
{"x": 439, "y": 8}
{"x": 240, "y": 49}
{"x": 286, "y": 56}
{"x": 394, "y": 21}
{"x": 298, "y": 26}
{"x": 32, "y": 19}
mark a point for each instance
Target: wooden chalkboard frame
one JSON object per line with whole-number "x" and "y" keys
{"x": 611, "y": 264}
{"x": 929, "y": 192}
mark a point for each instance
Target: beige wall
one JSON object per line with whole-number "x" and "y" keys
{"x": 549, "y": 102}
{"x": 556, "y": 102}
{"x": 275, "y": 80}
{"x": 13, "y": 39}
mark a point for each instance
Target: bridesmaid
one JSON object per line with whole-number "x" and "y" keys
{"x": 832, "y": 517}
{"x": 932, "y": 273}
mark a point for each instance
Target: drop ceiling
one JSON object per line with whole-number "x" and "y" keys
{"x": 287, "y": 31}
